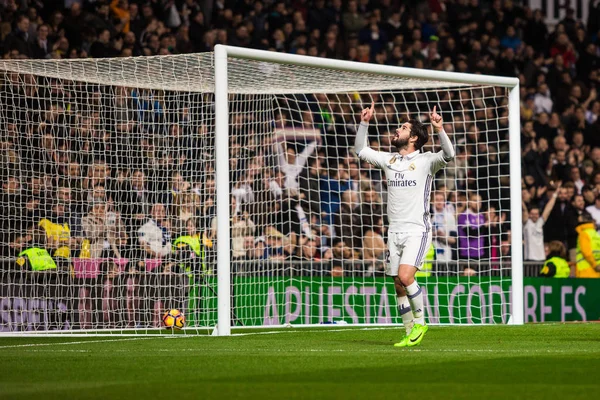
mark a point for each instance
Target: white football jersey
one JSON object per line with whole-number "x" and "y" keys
{"x": 409, "y": 180}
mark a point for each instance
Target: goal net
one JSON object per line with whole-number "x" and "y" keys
{"x": 111, "y": 200}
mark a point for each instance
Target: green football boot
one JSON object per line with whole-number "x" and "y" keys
{"x": 403, "y": 342}
{"x": 416, "y": 335}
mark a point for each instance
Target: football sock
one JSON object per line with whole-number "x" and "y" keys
{"x": 406, "y": 313}
{"x": 415, "y": 298}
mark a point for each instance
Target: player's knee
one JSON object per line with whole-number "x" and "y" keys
{"x": 406, "y": 276}
{"x": 400, "y": 291}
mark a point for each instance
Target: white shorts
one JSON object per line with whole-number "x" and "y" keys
{"x": 406, "y": 248}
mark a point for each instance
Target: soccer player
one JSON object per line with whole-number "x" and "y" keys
{"x": 409, "y": 174}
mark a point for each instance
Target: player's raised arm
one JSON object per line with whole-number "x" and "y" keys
{"x": 437, "y": 123}
{"x": 361, "y": 134}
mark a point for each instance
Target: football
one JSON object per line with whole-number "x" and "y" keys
{"x": 173, "y": 319}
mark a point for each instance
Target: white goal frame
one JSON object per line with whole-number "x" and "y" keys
{"x": 221, "y": 55}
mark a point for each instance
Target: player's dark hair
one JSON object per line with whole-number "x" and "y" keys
{"x": 420, "y": 131}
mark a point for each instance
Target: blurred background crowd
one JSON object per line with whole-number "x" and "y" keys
{"x": 111, "y": 172}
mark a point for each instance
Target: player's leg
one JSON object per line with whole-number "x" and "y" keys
{"x": 406, "y": 276}
{"x": 393, "y": 255}
{"x": 412, "y": 259}
{"x": 405, "y": 312}
{"x": 404, "y": 308}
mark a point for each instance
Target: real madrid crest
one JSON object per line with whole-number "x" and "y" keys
{"x": 412, "y": 167}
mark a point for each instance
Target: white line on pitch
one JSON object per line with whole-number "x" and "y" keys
{"x": 78, "y": 342}
{"x": 312, "y": 331}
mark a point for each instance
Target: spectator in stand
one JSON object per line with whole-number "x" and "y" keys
{"x": 559, "y": 166}
{"x": 310, "y": 186}
{"x": 347, "y": 222}
{"x": 102, "y": 48}
{"x": 472, "y": 227}
{"x": 353, "y": 20}
{"x": 271, "y": 246}
{"x": 134, "y": 200}
{"x": 374, "y": 249}
{"x": 343, "y": 258}
{"x": 542, "y": 100}
{"x": 578, "y": 204}
{"x": 533, "y": 232}
{"x": 19, "y": 39}
{"x": 588, "y": 248}
{"x": 594, "y": 209}
{"x": 575, "y": 177}
{"x": 42, "y": 45}
{"x": 56, "y": 226}
{"x": 291, "y": 163}
{"x": 511, "y": 40}
{"x": 556, "y": 265}
{"x": 332, "y": 186}
{"x": 242, "y": 227}
{"x": 493, "y": 237}
{"x": 564, "y": 47}
{"x": 104, "y": 230}
{"x": 589, "y": 196}
{"x": 154, "y": 237}
{"x": 444, "y": 229}
{"x": 561, "y": 222}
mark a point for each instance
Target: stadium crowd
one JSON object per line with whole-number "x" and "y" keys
{"x": 110, "y": 172}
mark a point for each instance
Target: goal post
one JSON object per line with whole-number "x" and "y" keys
{"x": 255, "y": 148}
{"x": 222, "y": 53}
{"x": 516, "y": 225}
{"x": 223, "y": 186}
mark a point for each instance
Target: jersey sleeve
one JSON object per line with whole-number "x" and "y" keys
{"x": 437, "y": 162}
{"x": 373, "y": 157}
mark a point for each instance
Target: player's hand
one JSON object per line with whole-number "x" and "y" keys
{"x": 436, "y": 120}
{"x": 367, "y": 113}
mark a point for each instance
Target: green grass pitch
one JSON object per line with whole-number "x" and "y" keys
{"x": 554, "y": 361}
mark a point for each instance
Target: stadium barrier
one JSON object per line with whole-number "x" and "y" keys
{"x": 62, "y": 300}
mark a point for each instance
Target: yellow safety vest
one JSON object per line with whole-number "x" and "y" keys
{"x": 39, "y": 259}
{"x": 595, "y": 242}
{"x": 195, "y": 244}
{"x": 562, "y": 267}
{"x": 60, "y": 232}
{"x": 425, "y": 270}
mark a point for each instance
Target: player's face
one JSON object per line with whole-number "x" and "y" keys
{"x": 400, "y": 139}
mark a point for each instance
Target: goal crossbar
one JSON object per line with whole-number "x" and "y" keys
{"x": 424, "y": 76}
